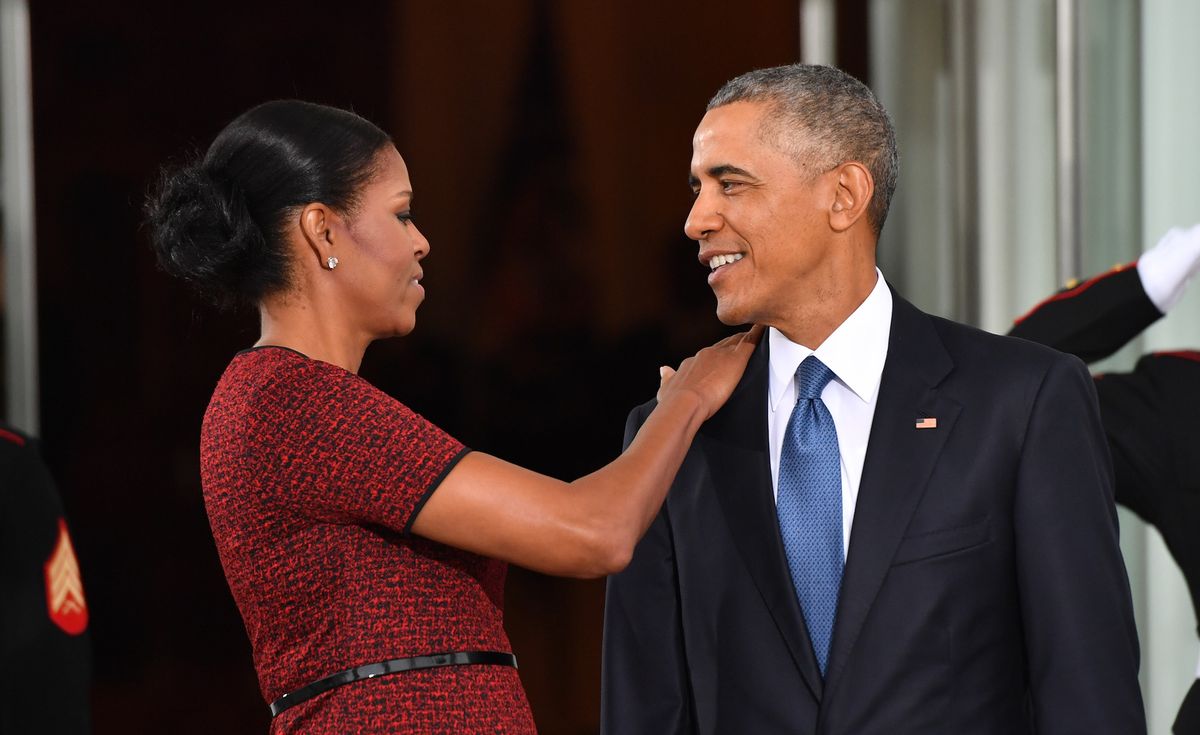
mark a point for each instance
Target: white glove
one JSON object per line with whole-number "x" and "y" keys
{"x": 1166, "y": 268}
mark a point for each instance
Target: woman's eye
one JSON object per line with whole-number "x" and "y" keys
{"x": 404, "y": 217}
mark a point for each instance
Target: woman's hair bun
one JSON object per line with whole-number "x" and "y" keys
{"x": 220, "y": 222}
{"x": 203, "y": 232}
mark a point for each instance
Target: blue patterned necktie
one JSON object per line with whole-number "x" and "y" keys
{"x": 810, "y": 505}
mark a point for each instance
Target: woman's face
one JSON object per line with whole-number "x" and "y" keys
{"x": 382, "y": 266}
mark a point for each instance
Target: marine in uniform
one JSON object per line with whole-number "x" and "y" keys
{"x": 45, "y": 654}
{"x": 1149, "y": 413}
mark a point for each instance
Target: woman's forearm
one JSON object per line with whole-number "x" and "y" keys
{"x": 623, "y": 497}
{"x": 589, "y": 527}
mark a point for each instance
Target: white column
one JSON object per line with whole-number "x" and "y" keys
{"x": 968, "y": 78}
{"x": 818, "y": 32}
{"x": 16, "y": 204}
{"x": 910, "y": 76}
{"x": 1015, "y": 87}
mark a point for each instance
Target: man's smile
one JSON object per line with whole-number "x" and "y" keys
{"x": 717, "y": 261}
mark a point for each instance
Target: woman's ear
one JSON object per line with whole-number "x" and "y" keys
{"x": 853, "y": 195}
{"x": 316, "y": 221}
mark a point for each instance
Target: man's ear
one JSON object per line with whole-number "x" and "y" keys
{"x": 316, "y": 224}
{"x": 852, "y": 197}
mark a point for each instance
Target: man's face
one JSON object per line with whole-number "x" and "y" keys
{"x": 760, "y": 218}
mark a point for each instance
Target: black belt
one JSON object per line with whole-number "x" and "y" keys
{"x": 391, "y": 666}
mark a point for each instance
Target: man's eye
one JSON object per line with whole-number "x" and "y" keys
{"x": 728, "y": 186}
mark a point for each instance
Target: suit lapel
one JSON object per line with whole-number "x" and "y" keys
{"x": 899, "y": 461}
{"x": 735, "y": 441}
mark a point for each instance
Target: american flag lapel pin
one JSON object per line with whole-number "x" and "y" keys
{"x": 927, "y": 423}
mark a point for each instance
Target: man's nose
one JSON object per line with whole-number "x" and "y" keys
{"x": 702, "y": 220}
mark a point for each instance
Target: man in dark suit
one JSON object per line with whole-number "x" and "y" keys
{"x": 897, "y": 524}
{"x": 1149, "y": 413}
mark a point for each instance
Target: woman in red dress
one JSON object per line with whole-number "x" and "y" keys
{"x": 364, "y": 546}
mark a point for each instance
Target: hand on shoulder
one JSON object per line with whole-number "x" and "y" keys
{"x": 713, "y": 372}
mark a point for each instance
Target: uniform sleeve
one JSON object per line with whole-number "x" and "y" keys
{"x": 1092, "y": 320}
{"x": 1081, "y": 644}
{"x": 644, "y": 684}
{"x": 368, "y": 457}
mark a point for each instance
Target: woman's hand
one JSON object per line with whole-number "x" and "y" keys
{"x": 712, "y": 372}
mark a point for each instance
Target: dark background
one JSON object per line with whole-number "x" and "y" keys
{"x": 548, "y": 144}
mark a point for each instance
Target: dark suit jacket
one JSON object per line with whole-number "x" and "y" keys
{"x": 984, "y": 591}
{"x": 1149, "y": 416}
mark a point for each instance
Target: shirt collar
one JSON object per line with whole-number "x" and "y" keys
{"x": 855, "y": 352}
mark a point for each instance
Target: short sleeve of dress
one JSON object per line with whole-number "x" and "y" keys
{"x": 356, "y": 455}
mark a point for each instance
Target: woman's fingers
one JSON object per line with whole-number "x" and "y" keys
{"x": 753, "y": 336}
{"x": 664, "y": 376}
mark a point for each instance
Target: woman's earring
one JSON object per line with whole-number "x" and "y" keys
{"x": 331, "y": 262}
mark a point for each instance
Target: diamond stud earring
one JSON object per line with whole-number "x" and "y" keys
{"x": 331, "y": 263}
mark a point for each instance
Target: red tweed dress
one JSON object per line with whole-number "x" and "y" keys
{"x": 312, "y": 479}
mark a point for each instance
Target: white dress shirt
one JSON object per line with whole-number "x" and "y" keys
{"x": 855, "y": 352}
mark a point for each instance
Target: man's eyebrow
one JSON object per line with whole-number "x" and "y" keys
{"x": 717, "y": 172}
{"x": 725, "y": 169}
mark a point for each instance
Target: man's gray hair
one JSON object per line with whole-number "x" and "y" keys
{"x": 823, "y": 117}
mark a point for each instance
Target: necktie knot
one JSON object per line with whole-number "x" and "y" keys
{"x": 811, "y": 378}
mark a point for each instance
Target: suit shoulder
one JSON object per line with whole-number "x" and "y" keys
{"x": 640, "y": 412}
{"x": 636, "y": 418}
{"x": 971, "y": 346}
